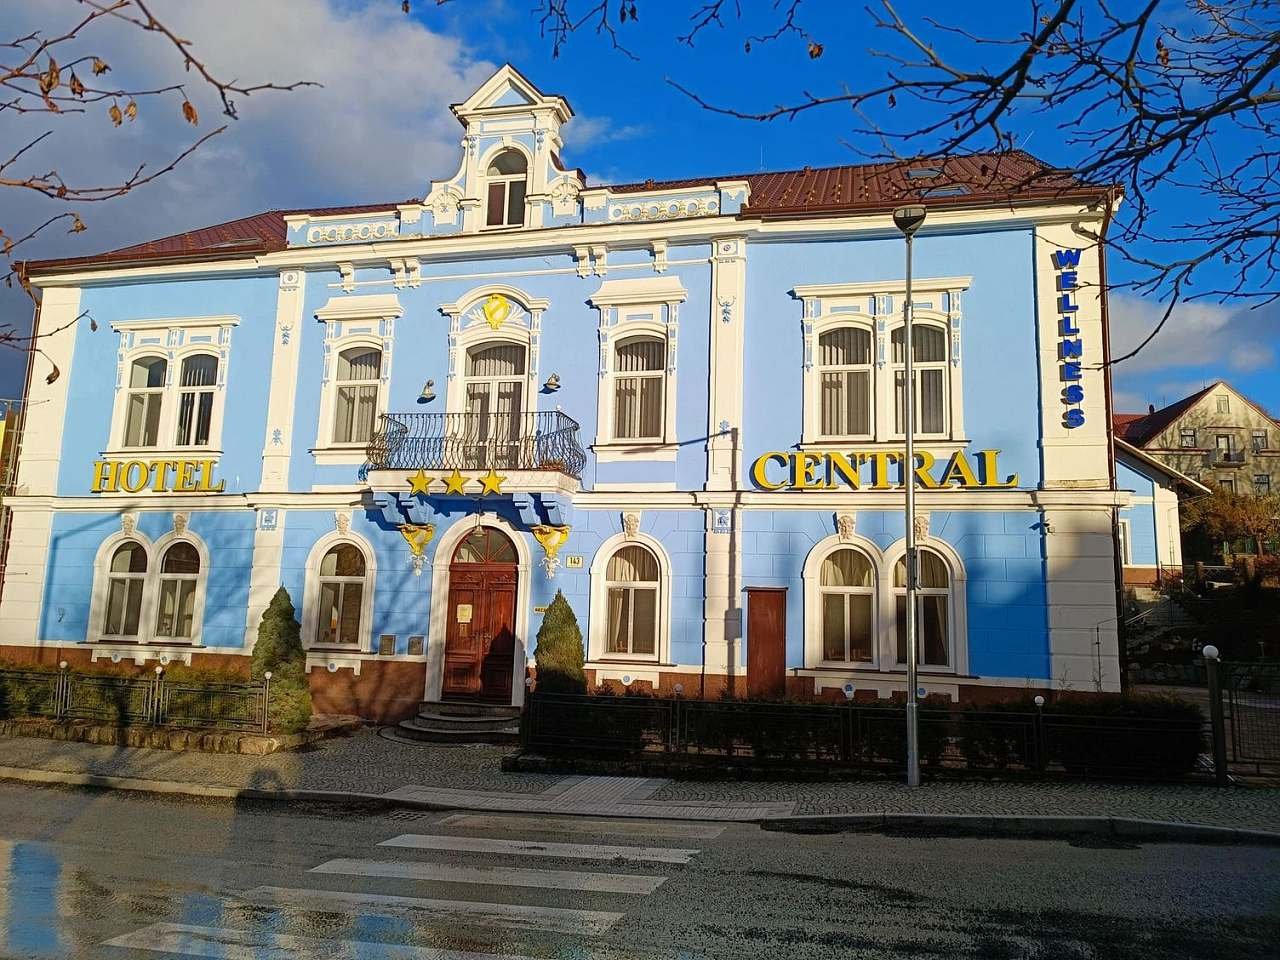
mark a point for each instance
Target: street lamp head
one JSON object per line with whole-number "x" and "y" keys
{"x": 908, "y": 219}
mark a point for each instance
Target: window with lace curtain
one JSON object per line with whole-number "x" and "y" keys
{"x": 355, "y": 412}
{"x": 176, "y": 601}
{"x": 341, "y": 596}
{"x": 639, "y": 406}
{"x": 126, "y": 581}
{"x": 848, "y": 590}
{"x": 631, "y": 585}
{"x": 933, "y": 611}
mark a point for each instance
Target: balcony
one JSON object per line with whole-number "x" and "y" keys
{"x": 1227, "y": 458}
{"x": 546, "y": 440}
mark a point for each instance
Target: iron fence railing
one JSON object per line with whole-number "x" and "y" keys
{"x": 1250, "y": 693}
{"x": 864, "y": 736}
{"x": 127, "y": 701}
{"x": 542, "y": 440}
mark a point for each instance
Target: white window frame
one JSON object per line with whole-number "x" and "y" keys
{"x": 820, "y": 370}
{"x": 506, "y": 179}
{"x": 1126, "y": 543}
{"x": 172, "y": 340}
{"x": 311, "y": 593}
{"x": 1223, "y": 403}
{"x": 598, "y": 620}
{"x": 918, "y": 367}
{"x": 155, "y": 550}
{"x": 1184, "y": 436}
{"x": 646, "y": 307}
{"x": 362, "y": 321}
{"x": 878, "y": 306}
{"x": 884, "y": 606}
{"x": 340, "y": 384}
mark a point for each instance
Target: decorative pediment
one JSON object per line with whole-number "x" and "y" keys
{"x": 508, "y": 90}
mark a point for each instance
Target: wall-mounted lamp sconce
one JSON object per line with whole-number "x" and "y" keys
{"x": 427, "y": 394}
{"x": 552, "y": 384}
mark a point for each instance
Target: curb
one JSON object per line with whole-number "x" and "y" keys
{"x": 1026, "y": 826}
{"x": 1030, "y": 826}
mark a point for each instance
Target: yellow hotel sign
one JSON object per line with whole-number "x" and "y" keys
{"x": 829, "y": 470}
{"x": 158, "y": 476}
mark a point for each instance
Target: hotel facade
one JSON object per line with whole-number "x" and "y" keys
{"x": 677, "y": 402}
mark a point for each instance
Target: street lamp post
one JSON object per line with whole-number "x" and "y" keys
{"x": 908, "y": 220}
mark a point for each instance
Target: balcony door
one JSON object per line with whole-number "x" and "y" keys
{"x": 491, "y": 432}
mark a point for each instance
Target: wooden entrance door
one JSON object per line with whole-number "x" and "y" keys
{"x": 766, "y": 641}
{"x": 480, "y": 642}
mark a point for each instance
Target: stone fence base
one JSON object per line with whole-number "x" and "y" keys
{"x": 170, "y": 738}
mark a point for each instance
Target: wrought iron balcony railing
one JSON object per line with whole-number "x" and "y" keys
{"x": 1235, "y": 457}
{"x": 546, "y": 440}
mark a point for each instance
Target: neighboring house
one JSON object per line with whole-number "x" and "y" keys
{"x": 1217, "y": 437}
{"x": 679, "y": 402}
{"x": 1149, "y": 541}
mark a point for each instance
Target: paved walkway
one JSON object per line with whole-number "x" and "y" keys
{"x": 470, "y": 777}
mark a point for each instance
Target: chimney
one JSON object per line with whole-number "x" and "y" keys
{"x": 1151, "y": 408}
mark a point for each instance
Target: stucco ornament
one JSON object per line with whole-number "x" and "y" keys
{"x": 342, "y": 522}
{"x": 564, "y": 196}
{"x": 844, "y": 526}
{"x": 551, "y": 539}
{"x": 417, "y": 536}
{"x": 180, "y": 520}
{"x": 921, "y": 526}
{"x": 128, "y": 523}
{"x": 630, "y": 524}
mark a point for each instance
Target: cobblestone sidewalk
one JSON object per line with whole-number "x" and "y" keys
{"x": 368, "y": 763}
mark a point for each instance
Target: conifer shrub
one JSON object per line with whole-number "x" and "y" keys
{"x": 279, "y": 650}
{"x": 559, "y": 652}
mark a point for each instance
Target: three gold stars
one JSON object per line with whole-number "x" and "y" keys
{"x": 420, "y": 482}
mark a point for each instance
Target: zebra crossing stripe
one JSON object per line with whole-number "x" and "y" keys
{"x": 509, "y": 915}
{"x": 223, "y": 943}
{"x": 534, "y": 848}
{"x": 494, "y": 876}
{"x": 583, "y": 826}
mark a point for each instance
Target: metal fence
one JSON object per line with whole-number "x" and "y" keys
{"x": 128, "y": 701}
{"x": 1034, "y": 740}
{"x": 1247, "y": 696}
{"x": 542, "y": 440}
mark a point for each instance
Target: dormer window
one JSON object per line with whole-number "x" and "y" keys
{"x": 507, "y": 175}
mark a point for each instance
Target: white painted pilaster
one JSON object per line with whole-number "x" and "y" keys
{"x": 724, "y": 418}
{"x": 284, "y": 381}
{"x": 46, "y": 406}
{"x": 264, "y": 577}
{"x": 722, "y": 606}
{"x": 1081, "y": 595}
{"x": 24, "y": 577}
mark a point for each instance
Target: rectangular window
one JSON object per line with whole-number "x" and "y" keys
{"x": 1188, "y": 438}
{"x": 1262, "y": 484}
{"x": 1259, "y": 441}
{"x": 1224, "y": 404}
{"x": 930, "y": 401}
{"x": 1126, "y": 557}
{"x": 142, "y": 423}
{"x": 497, "y": 205}
{"x": 339, "y": 614}
{"x": 356, "y": 412}
{"x": 931, "y": 630}
{"x": 177, "y": 609}
{"x": 846, "y": 403}
{"x": 1227, "y": 483}
{"x": 124, "y": 607}
{"x": 638, "y": 408}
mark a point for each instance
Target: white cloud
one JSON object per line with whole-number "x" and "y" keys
{"x": 588, "y": 131}
{"x": 1231, "y": 337}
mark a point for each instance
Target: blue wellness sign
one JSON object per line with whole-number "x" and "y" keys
{"x": 1070, "y": 346}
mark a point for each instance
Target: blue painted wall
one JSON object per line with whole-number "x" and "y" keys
{"x": 1141, "y": 516}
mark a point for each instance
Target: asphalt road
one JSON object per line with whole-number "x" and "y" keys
{"x": 88, "y": 874}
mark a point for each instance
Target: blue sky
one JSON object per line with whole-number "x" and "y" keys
{"x": 380, "y": 130}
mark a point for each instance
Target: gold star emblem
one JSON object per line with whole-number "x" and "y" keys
{"x": 491, "y": 482}
{"x": 419, "y": 483}
{"x": 454, "y": 482}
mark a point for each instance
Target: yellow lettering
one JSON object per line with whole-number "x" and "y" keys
{"x": 990, "y": 471}
{"x": 958, "y": 469}
{"x": 186, "y": 480}
{"x": 839, "y": 463}
{"x": 128, "y": 481}
{"x": 206, "y": 481}
{"x": 802, "y": 470}
{"x": 759, "y": 471}
{"x": 923, "y": 477}
{"x": 161, "y": 470}
{"x": 880, "y": 461}
{"x": 106, "y": 476}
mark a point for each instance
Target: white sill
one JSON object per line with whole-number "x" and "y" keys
{"x": 339, "y": 455}
{"x": 162, "y": 453}
{"x": 617, "y": 451}
{"x": 839, "y": 444}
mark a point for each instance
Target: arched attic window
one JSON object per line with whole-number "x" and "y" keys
{"x": 508, "y": 181}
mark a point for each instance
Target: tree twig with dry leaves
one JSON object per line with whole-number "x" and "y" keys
{"x": 1176, "y": 105}
{"x": 55, "y": 73}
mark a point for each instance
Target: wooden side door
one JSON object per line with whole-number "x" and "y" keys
{"x": 464, "y": 644}
{"x": 766, "y": 641}
{"x": 498, "y": 659}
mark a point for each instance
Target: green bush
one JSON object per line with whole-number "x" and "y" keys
{"x": 559, "y": 653}
{"x": 1153, "y": 735}
{"x": 279, "y": 650}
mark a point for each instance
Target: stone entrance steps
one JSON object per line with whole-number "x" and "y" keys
{"x": 463, "y": 722}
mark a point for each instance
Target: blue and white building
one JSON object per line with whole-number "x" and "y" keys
{"x": 424, "y": 418}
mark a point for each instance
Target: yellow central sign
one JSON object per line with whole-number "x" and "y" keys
{"x": 831, "y": 469}
{"x": 158, "y": 476}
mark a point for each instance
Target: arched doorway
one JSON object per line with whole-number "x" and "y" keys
{"x": 480, "y": 639}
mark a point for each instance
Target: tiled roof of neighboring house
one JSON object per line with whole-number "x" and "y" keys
{"x": 1138, "y": 428}
{"x": 977, "y": 180}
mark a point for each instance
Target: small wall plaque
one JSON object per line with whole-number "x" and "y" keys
{"x": 464, "y": 613}
{"x": 416, "y": 645}
{"x": 573, "y": 561}
{"x": 539, "y": 609}
{"x": 387, "y": 645}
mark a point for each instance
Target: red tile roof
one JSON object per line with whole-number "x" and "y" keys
{"x": 970, "y": 181}
{"x": 1139, "y": 428}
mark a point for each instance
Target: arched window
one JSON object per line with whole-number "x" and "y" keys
{"x": 145, "y": 398}
{"x": 929, "y": 359}
{"x": 176, "y": 604}
{"x": 485, "y": 545}
{"x": 933, "y": 610}
{"x": 639, "y": 385}
{"x": 507, "y": 175}
{"x": 341, "y": 596}
{"x": 631, "y": 585}
{"x": 847, "y": 584}
{"x": 845, "y": 371}
{"x": 195, "y": 399}
{"x": 356, "y": 399}
{"x": 126, "y": 578}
